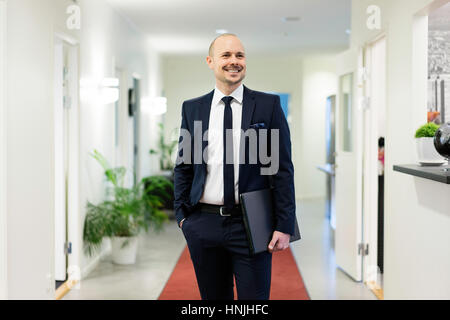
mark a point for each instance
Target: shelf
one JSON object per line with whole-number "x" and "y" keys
{"x": 437, "y": 173}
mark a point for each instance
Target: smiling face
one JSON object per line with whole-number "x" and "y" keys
{"x": 227, "y": 60}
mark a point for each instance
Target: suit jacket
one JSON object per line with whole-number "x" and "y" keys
{"x": 259, "y": 111}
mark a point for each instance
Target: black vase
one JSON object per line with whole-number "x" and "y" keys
{"x": 442, "y": 140}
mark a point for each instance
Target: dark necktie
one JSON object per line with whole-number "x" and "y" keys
{"x": 228, "y": 168}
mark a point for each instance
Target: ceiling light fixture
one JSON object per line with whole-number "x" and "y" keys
{"x": 290, "y": 19}
{"x": 221, "y": 31}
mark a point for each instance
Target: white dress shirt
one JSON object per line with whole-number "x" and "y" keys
{"x": 213, "y": 189}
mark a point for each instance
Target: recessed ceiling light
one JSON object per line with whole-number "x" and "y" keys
{"x": 290, "y": 19}
{"x": 348, "y": 31}
{"x": 221, "y": 31}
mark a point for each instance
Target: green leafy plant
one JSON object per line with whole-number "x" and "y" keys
{"x": 161, "y": 187}
{"x": 165, "y": 150}
{"x": 125, "y": 213}
{"x": 427, "y": 130}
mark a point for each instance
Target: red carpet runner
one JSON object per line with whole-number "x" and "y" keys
{"x": 287, "y": 283}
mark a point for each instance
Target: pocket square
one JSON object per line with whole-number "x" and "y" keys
{"x": 258, "y": 125}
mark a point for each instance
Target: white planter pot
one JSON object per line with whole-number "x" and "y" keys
{"x": 427, "y": 152}
{"x": 127, "y": 254}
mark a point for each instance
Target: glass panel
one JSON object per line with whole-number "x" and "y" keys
{"x": 346, "y": 111}
{"x": 285, "y": 98}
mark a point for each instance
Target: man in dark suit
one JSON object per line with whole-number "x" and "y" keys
{"x": 208, "y": 180}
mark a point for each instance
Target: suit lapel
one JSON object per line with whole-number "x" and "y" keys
{"x": 205, "y": 111}
{"x": 248, "y": 107}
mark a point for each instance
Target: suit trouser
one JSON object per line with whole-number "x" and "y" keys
{"x": 219, "y": 249}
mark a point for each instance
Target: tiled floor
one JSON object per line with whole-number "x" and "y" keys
{"x": 158, "y": 254}
{"x": 315, "y": 257}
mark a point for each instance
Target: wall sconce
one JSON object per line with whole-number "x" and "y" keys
{"x": 154, "y": 106}
{"x": 110, "y": 82}
{"x": 105, "y": 92}
{"x": 109, "y": 90}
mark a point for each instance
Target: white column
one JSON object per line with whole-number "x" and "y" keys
{"x": 3, "y": 235}
{"x": 30, "y": 158}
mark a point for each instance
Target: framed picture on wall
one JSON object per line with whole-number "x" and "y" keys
{"x": 438, "y": 108}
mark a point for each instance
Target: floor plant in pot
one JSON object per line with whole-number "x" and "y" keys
{"x": 161, "y": 186}
{"x": 165, "y": 151}
{"x": 122, "y": 216}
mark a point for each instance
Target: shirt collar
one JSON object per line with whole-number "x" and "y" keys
{"x": 237, "y": 94}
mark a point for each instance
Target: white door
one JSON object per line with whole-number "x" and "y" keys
{"x": 348, "y": 234}
{"x": 60, "y": 163}
{"x": 67, "y": 229}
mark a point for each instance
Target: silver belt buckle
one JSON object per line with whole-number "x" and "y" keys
{"x": 222, "y": 214}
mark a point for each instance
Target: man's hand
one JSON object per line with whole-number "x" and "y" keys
{"x": 280, "y": 241}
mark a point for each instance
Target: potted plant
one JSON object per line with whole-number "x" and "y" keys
{"x": 125, "y": 213}
{"x": 162, "y": 187}
{"x": 165, "y": 152}
{"x": 425, "y": 145}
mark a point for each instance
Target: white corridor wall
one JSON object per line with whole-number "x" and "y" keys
{"x": 106, "y": 41}
{"x": 417, "y": 218}
{"x": 3, "y": 194}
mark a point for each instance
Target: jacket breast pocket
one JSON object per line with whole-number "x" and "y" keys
{"x": 258, "y": 125}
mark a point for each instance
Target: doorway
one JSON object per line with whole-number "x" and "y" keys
{"x": 360, "y": 123}
{"x": 330, "y": 166}
{"x": 330, "y": 136}
{"x": 134, "y": 127}
{"x": 66, "y": 112}
{"x": 374, "y": 75}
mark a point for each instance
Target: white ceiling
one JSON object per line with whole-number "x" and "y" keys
{"x": 188, "y": 26}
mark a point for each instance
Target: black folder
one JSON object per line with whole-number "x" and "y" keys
{"x": 259, "y": 219}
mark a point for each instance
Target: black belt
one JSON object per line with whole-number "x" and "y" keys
{"x": 223, "y": 211}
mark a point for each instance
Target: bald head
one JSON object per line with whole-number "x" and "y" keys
{"x": 211, "y": 47}
{"x": 227, "y": 59}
